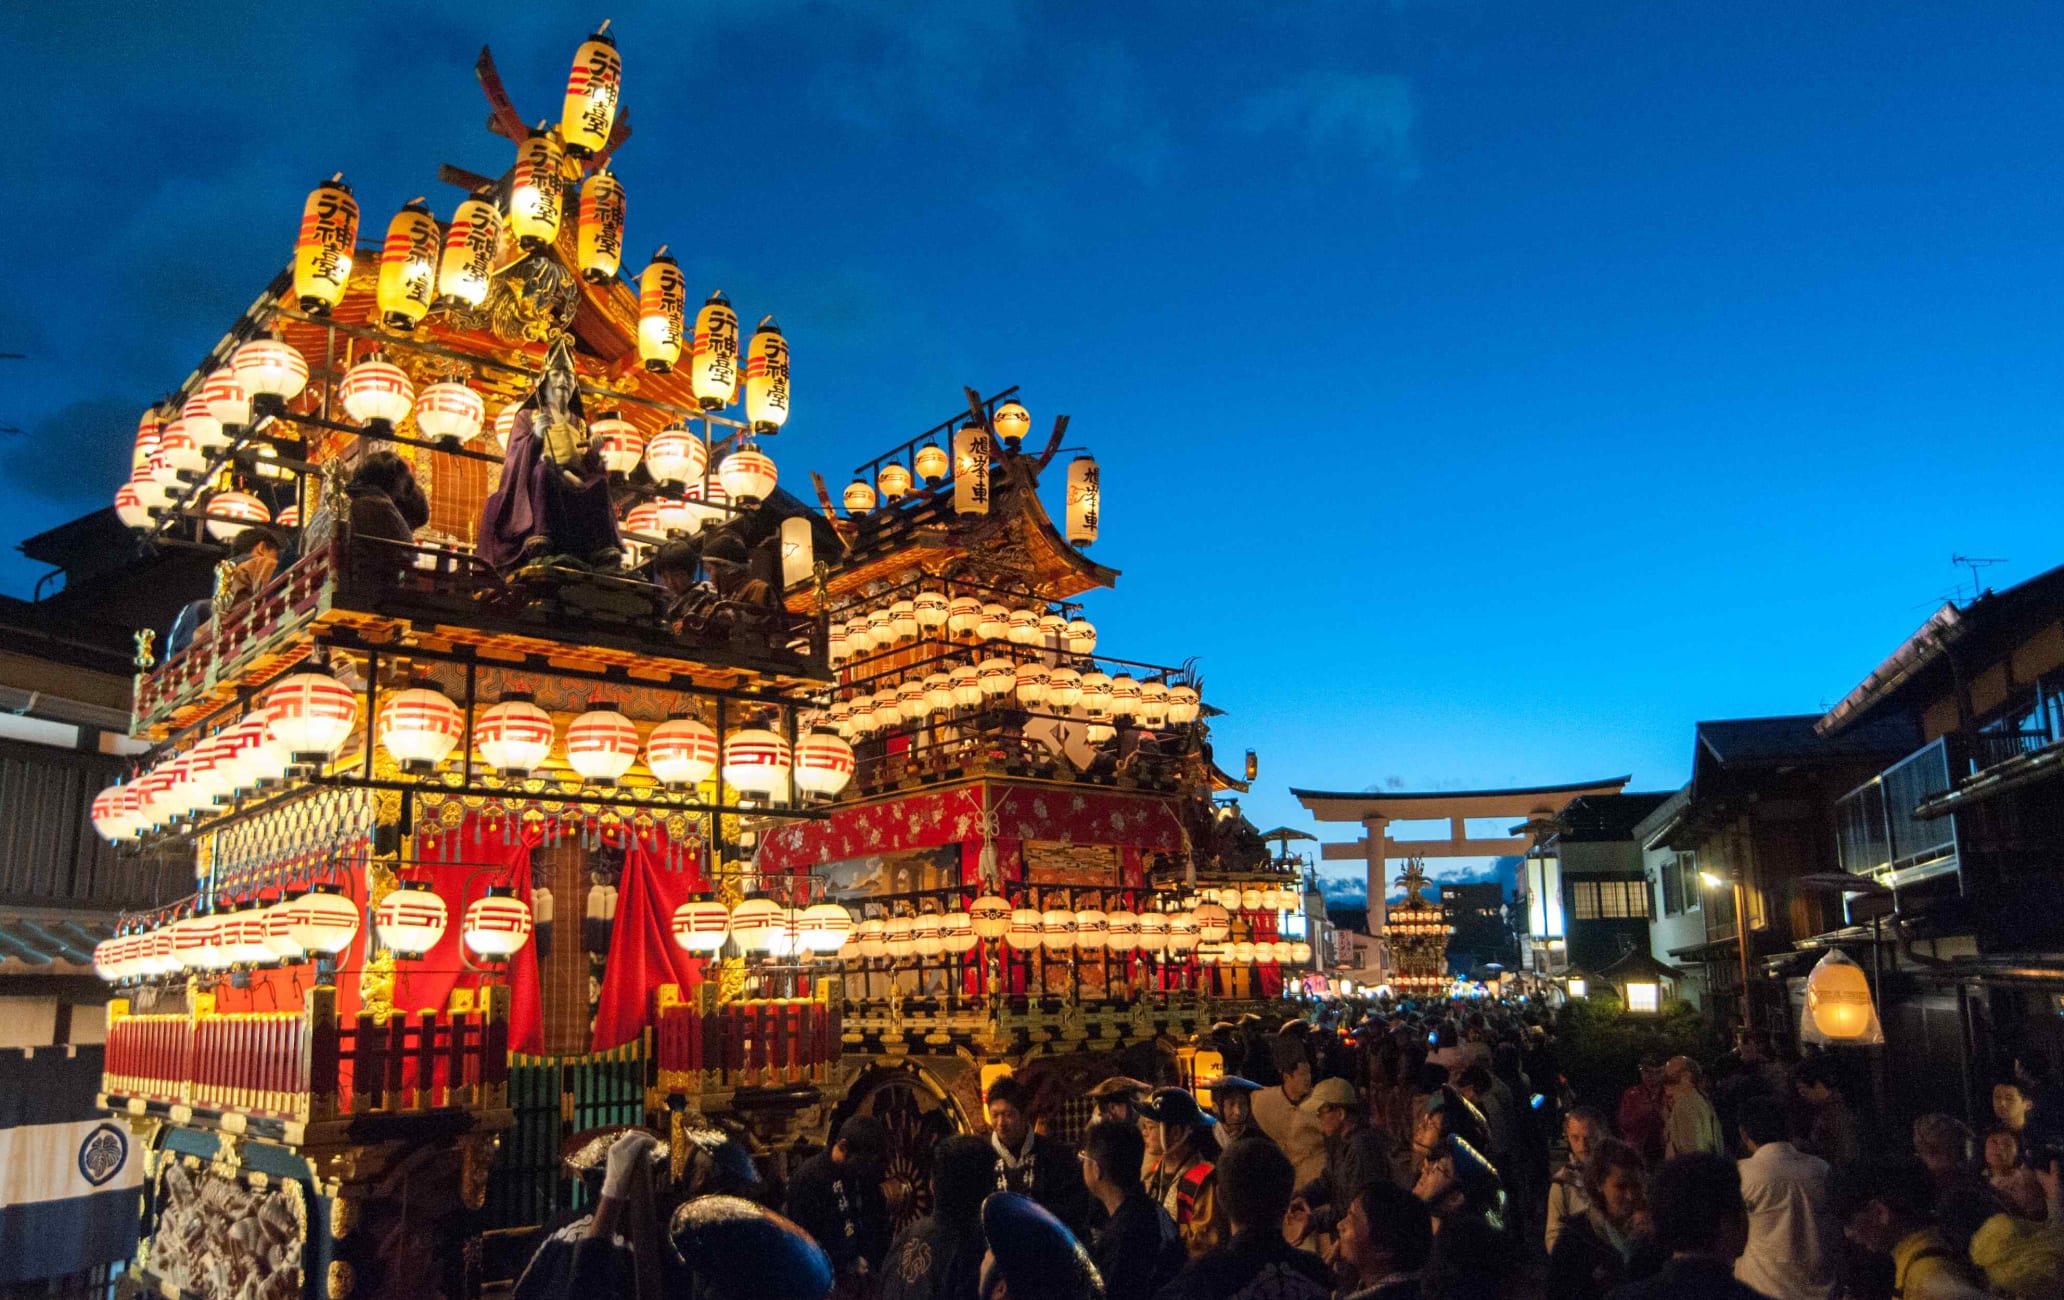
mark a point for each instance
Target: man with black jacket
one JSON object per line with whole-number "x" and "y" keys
{"x": 1255, "y": 1185}
{"x": 1031, "y": 1163}
{"x": 939, "y": 1257}
{"x": 1138, "y": 1250}
{"x": 836, "y": 1197}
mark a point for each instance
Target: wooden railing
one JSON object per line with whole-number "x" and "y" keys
{"x": 312, "y": 1064}
{"x": 748, "y": 1043}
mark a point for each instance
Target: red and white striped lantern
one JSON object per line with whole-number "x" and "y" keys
{"x": 289, "y": 517}
{"x": 411, "y": 920}
{"x": 230, "y": 513}
{"x": 202, "y": 424}
{"x": 756, "y": 762}
{"x": 106, "y": 813}
{"x": 177, "y": 451}
{"x": 822, "y": 928}
{"x": 700, "y": 925}
{"x": 647, "y": 517}
{"x": 761, "y": 925}
{"x": 823, "y": 763}
{"x": 1153, "y": 932}
{"x": 1214, "y": 923}
{"x": 963, "y": 613}
{"x": 957, "y": 932}
{"x": 535, "y": 191}
{"x": 243, "y": 937}
{"x": 449, "y": 409}
{"x": 713, "y": 351}
{"x": 618, "y": 442}
{"x": 601, "y": 745}
{"x": 376, "y": 390}
{"x": 149, "y": 428}
{"x": 322, "y": 921}
{"x": 1125, "y": 696}
{"x": 270, "y": 368}
{"x": 748, "y": 475}
{"x": 497, "y": 925}
{"x": 419, "y": 727}
{"x": 1121, "y": 930}
{"x": 1031, "y": 681}
{"x": 997, "y": 677}
{"x": 153, "y": 793}
{"x": 1026, "y": 930}
{"x": 676, "y": 455}
{"x": 279, "y": 931}
{"x": 129, "y": 506}
{"x": 1022, "y": 626}
{"x": 682, "y": 751}
{"x": 1092, "y": 928}
{"x": 871, "y": 938}
{"x": 1057, "y": 930}
{"x": 308, "y": 713}
{"x": 513, "y": 737}
{"x": 225, "y": 398}
{"x": 991, "y": 916}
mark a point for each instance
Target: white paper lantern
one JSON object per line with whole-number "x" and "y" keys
{"x": 966, "y": 684}
{"x": 1213, "y": 922}
{"x": 226, "y": 399}
{"x": 376, "y": 390}
{"x": 761, "y": 925}
{"x": 1125, "y": 696}
{"x": 1092, "y": 930}
{"x": 410, "y": 920}
{"x": 419, "y": 727}
{"x": 676, "y": 455}
{"x": 998, "y": 677}
{"x": 894, "y": 481}
{"x": 957, "y": 932}
{"x": 748, "y": 475}
{"x": 1153, "y": 932}
{"x": 824, "y": 927}
{"x": 926, "y": 938}
{"x": 823, "y": 764}
{"x": 858, "y": 498}
{"x": 991, "y": 915}
{"x": 200, "y": 422}
{"x": 618, "y": 443}
{"x": 1063, "y": 688}
{"x": 1183, "y": 704}
{"x": 1026, "y": 930}
{"x": 601, "y": 745}
{"x": 756, "y": 762}
{"x": 1153, "y": 705}
{"x": 682, "y": 751}
{"x": 496, "y": 925}
{"x": 871, "y": 938}
{"x": 963, "y": 613}
{"x": 230, "y": 513}
{"x": 308, "y": 713}
{"x": 270, "y": 368}
{"x": 900, "y": 937}
{"x": 993, "y": 623}
{"x": 700, "y": 925}
{"x": 1121, "y": 930}
{"x": 939, "y": 692}
{"x": 1022, "y": 626}
{"x": 449, "y": 409}
{"x": 1057, "y": 930}
{"x": 1184, "y": 932}
{"x": 280, "y": 943}
{"x": 513, "y": 737}
{"x": 1081, "y": 636}
{"x": 1011, "y": 422}
{"x": 903, "y": 619}
{"x": 1030, "y": 680}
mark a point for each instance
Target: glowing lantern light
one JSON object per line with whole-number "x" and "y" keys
{"x": 766, "y": 378}
{"x": 1213, "y": 922}
{"x": 1125, "y": 696}
{"x": 748, "y": 475}
{"x": 1031, "y": 683}
{"x": 1080, "y": 636}
{"x": 1251, "y": 899}
{"x": 823, "y": 763}
{"x": 1085, "y": 500}
{"x": 375, "y": 391}
{"x": 254, "y": 759}
{"x": 930, "y": 609}
{"x": 1153, "y": 703}
{"x": 1023, "y": 626}
{"x": 1053, "y": 631}
{"x": 963, "y": 614}
{"x": 230, "y": 513}
{"x": 1838, "y": 1003}
{"x": 617, "y": 441}
{"x": 824, "y": 928}
{"x": 700, "y": 925}
{"x": 957, "y": 932}
{"x": 279, "y": 931}
{"x": 971, "y": 470}
{"x": 967, "y": 685}
{"x": 894, "y": 481}
{"x": 419, "y": 727}
{"x": 105, "y": 813}
{"x": 682, "y": 751}
{"x": 662, "y": 313}
{"x": 871, "y": 938}
{"x": 859, "y": 640}
{"x": 932, "y": 463}
{"x": 322, "y": 252}
{"x": 198, "y": 421}
{"x": 243, "y": 937}
{"x": 601, "y": 745}
{"x": 998, "y": 677}
{"x": 449, "y": 409}
{"x": 129, "y": 507}
{"x": 1184, "y": 932}
{"x": 992, "y": 916}
{"x": 858, "y": 498}
{"x": 408, "y": 267}
{"x": 888, "y": 714}
{"x": 1011, "y": 422}
{"x": 204, "y": 945}
{"x": 1063, "y": 688}
{"x": 1026, "y": 930}
{"x": 676, "y": 455}
{"x": 497, "y": 925}
{"x": 602, "y": 209}
{"x": 505, "y": 424}
{"x": 1057, "y": 930}
{"x": 534, "y": 191}
{"x": 308, "y": 714}
{"x": 1096, "y": 695}
{"x": 592, "y": 88}
{"x": 270, "y": 368}
{"x": 1301, "y": 952}
{"x": 993, "y": 624}
{"x": 899, "y": 937}
{"x": 756, "y": 762}
{"x": 1153, "y": 932}
{"x": 798, "y": 550}
{"x": 903, "y": 619}
{"x": 410, "y": 920}
{"x": 225, "y": 399}
{"x": 926, "y": 937}
{"x": 938, "y": 688}
{"x": 191, "y": 937}
{"x": 149, "y": 429}
{"x": 714, "y": 352}
{"x": 1121, "y": 931}
{"x": 1092, "y": 930}
{"x": 513, "y": 737}
{"x": 760, "y": 925}
{"x": 1183, "y": 704}
{"x": 913, "y": 700}
{"x": 177, "y": 453}
{"x": 467, "y": 264}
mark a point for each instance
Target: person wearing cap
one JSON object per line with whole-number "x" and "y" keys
{"x": 1116, "y": 1097}
{"x": 1138, "y": 1249}
{"x": 728, "y": 1248}
{"x": 836, "y": 1196}
{"x": 1184, "y": 1180}
{"x": 1641, "y": 1110}
{"x": 1031, "y": 1254}
{"x": 939, "y": 1257}
{"x": 1355, "y": 1157}
{"x": 615, "y": 1249}
{"x": 1254, "y": 1262}
{"x": 1278, "y": 1111}
{"x": 1473, "y": 1255}
{"x": 1031, "y": 1163}
{"x": 1232, "y": 1101}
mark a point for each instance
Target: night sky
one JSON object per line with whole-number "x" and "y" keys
{"x": 1485, "y": 391}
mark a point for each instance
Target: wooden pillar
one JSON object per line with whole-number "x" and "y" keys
{"x": 1376, "y": 832}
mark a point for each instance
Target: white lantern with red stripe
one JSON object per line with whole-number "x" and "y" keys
{"x": 676, "y": 455}
{"x": 939, "y": 692}
{"x": 280, "y": 945}
{"x": 957, "y": 932}
{"x": 226, "y": 401}
{"x": 376, "y": 390}
{"x": 926, "y": 938}
{"x": 270, "y": 368}
{"x": 823, "y": 763}
{"x": 682, "y": 751}
{"x": 963, "y": 615}
{"x": 129, "y": 506}
{"x": 1125, "y": 696}
{"x": 449, "y": 409}
{"x": 871, "y": 938}
{"x": 993, "y": 624}
{"x": 1184, "y": 704}
{"x": 748, "y": 475}
{"x": 243, "y": 937}
{"x": 1121, "y": 930}
{"x": 618, "y": 442}
{"x": 700, "y": 925}
{"x": 411, "y": 919}
{"x": 1022, "y": 626}
{"x": 202, "y": 424}
{"x": 894, "y": 480}
{"x": 912, "y": 700}
{"x": 966, "y": 684}
{"x": 322, "y": 921}
{"x": 998, "y": 677}
{"x": 708, "y": 505}
{"x": 1184, "y": 933}
{"x": 1057, "y": 930}
{"x": 1092, "y": 928}
{"x": 756, "y": 762}
{"x": 419, "y": 727}
{"x": 991, "y": 915}
{"x": 1080, "y": 636}
{"x": 761, "y": 925}
{"x": 822, "y": 928}
{"x": 1153, "y": 932}
{"x": 1214, "y": 923}
{"x": 513, "y": 737}
{"x": 289, "y": 517}
{"x": 178, "y": 452}
{"x": 899, "y": 937}
{"x": 1063, "y": 688}
{"x": 1031, "y": 679}
{"x": 308, "y": 713}
{"x": 192, "y": 938}
{"x": 1026, "y": 930}
{"x": 104, "y": 960}
{"x": 230, "y": 513}
{"x": 1053, "y": 631}
{"x": 601, "y": 745}
{"x": 496, "y": 925}
{"x": 107, "y": 814}
{"x": 204, "y": 772}
{"x": 466, "y": 266}
{"x": 1153, "y": 705}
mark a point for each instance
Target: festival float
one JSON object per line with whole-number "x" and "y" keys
{"x": 568, "y": 771}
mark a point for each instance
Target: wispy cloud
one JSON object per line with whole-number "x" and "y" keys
{"x": 1366, "y": 118}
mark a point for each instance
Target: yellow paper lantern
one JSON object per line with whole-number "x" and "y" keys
{"x": 592, "y": 90}
{"x": 322, "y": 252}
{"x": 714, "y": 367}
{"x": 468, "y": 263}
{"x": 1011, "y": 422}
{"x": 662, "y": 311}
{"x": 932, "y": 463}
{"x": 971, "y": 470}
{"x": 602, "y": 208}
{"x": 1085, "y": 500}
{"x": 1838, "y": 1003}
{"x": 535, "y": 191}
{"x": 766, "y": 378}
{"x": 408, "y": 267}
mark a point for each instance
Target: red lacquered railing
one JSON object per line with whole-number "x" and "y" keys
{"x": 746, "y": 1043}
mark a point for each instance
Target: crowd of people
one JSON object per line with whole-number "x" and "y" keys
{"x": 1429, "y": 1153}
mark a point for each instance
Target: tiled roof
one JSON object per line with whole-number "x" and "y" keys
{"x": 51, "y": 943}
{"x": 1606, "y": 817}
{"x": 1793, "y": 739}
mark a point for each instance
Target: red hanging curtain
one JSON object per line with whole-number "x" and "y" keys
{"x": 642, "y": 951}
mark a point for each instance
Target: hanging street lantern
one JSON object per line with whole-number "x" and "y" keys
{"x": 601, "y": 745}
{"x": 467, "y": 264}
{"x": 756, "y": 762}
{"x": 449, "y": 409}
{"x": 1085, "y": 500}
{"x": 592, "y": 89}
{"x": 894, "y": 481}
{"x": 1031, "y": 679}
{"x": 308, "y": 715}
{"x": 713, "y": 375}
{"x": 1080, "y": 636}
{"x": 1125, "y": 696}
{"x": 766, "y": 378}
{"x": 408, "y": 267}
{"x": 1153, "y": 703}
{"x": 682, "y": 751}
{"x": 377, "y": 394}
{"x": 149, "y": 429}
{"x": 748, "y": 475}
{"x": 178, "y": 453}
{"x": 602, "y": 209}
{"x": 927, "y": 937}
{"x": 535, "y": 190}
{"x": 419, "y": 727}
{"x": 1213, "y": 922}
{"x": 201, "y": 423}
{"x": 497, "y": 925}
{"x": 513, "y": 737}
{"x": 1838, "y": 1004}
{"x": 410, "y": 920}
{"x": 1011, "y": 422}
{"x": 322, "y": 252}
{"x": 931, "y": 463}
{"x": 662, "y": 312}
{"x": 971, "y": 470}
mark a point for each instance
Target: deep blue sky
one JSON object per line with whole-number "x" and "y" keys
{"x": 1486, "y": 391}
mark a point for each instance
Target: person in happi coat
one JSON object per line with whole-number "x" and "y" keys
{"x": 836, "y": 1196}
{"x": 554, "y": 494}
{"x": 939, "y": 1257}
{"x": 1031, "y": 1163}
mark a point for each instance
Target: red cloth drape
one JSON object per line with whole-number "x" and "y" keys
{"x": 642, "y": 951}
{"x": 460, "y": 865}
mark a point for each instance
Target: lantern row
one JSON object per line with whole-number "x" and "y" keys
{"x": 306, "y": 717}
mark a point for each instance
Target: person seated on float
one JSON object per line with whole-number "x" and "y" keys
{"x": 554, "y": 494}
{"x": 255, "y": 555}
{"x": 387, "y": 507}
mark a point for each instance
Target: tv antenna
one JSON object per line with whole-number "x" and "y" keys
{"x": 1975, "y": 563}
